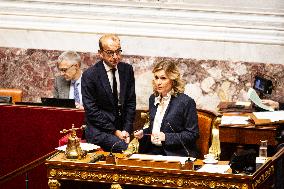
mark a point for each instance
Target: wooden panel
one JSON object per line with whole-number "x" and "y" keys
{"x": 247, "y": 134}
{"x": 28, "y": 133}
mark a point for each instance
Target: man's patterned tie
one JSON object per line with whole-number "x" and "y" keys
{"x": 114, "y": 87}
{"x": 76, "y": 92}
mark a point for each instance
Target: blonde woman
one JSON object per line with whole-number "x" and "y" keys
{"x": 173, "y": 129}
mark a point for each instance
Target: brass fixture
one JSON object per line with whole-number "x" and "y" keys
{"x": 132, "y": 148}
{"x": 73, "y": 149}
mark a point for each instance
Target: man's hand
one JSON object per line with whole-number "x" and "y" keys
{"x": 271, "y": 103}
{"x": 123, "y": 135}
{"x": 79, "y": 106}
{"x": 126, "y": 136}
{"x": 118, "y": 133}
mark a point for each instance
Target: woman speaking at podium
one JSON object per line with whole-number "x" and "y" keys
{"x": 173, "y": 129}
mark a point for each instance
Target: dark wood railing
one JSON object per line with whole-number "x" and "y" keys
{"x": 25, "y": 168}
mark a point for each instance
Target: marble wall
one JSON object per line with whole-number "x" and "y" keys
{"x": 208, "y": 81}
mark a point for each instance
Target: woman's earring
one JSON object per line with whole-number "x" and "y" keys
{"x": 172, "y": 92}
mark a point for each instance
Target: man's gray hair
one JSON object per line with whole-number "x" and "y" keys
{"x": 70, "y": 56}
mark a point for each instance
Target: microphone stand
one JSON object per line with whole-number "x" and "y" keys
{"x": 188, "y": 163}
{"x": 111, "y": 159}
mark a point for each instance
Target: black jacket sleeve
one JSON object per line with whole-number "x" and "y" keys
{"x": 92, "y": 100}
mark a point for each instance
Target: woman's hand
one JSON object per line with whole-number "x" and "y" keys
{"x": 138, "y": 134}
{"x": 157, "y": 138}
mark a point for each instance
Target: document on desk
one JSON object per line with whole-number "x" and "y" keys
{"x": 235, "y": 120}
{"x": 253, "y": 96}
{"x": 211, "y": 168}
{"x": 272, "y": 116}
{"x": 160, "y": 158}
{"x": 84, "y": 146}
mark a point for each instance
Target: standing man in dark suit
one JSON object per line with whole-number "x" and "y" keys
{"x": 108, "y": 90}
{"x": 68, "y": 84}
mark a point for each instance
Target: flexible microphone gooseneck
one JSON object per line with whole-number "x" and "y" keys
{"x": 188, "y": 160}
{"x": 117, "y": 142}
{"x": 110, "y": 159}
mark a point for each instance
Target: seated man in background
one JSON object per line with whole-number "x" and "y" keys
{"x": 275, "y": 105}
{"x": 68, "y": 84}
{"x": 173, "y": 129}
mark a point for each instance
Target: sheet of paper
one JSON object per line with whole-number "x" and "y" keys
{"x": 210, "y": 168}
{"x": 273, "y": 116}
{"x": 84, "y": 146}
{"x": 160, "y": 158}
{"x": 242, "y": 103}
{"x": 234, "y": 120}
{"x": 253, "y": 96}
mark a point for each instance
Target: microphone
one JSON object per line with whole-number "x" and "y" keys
{"x": 183, "y": 145}
{"x": 117, "y": 142}
{"x": 110, "y": 159}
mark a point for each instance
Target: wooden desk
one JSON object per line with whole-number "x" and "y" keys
{"x": 250, "y": 134}
{"x": 247, "y": 134}
{"x": 59, "y": 168}
{"x": 237, "y": 137}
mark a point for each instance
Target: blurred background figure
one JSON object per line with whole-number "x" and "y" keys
{"x": 275, "y": 105}
{"x": 68, "y": 84}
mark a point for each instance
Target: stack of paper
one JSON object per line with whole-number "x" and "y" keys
{"x": 235, "y": 120}
{"x": 84, "y": 146}
{"x": 253, "y": 96}
{"x": 160, "y": 158}
{"x": 272, "y": 116}
{"x": 214, "y": 168}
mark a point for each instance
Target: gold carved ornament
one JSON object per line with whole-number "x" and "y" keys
{"x": 133, "y": 146}
{"x": 53, "y": 184}
{"x": 143, "y": 179}
{"x": 264, "y": 176}
{"x": 215, "y": 147}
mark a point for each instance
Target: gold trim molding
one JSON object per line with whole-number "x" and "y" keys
{"x": 264, "y": 176}
{"x": 143, "y": 180}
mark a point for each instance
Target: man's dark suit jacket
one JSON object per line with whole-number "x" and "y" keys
{"x": 61, "y": 87}
{"x": 179, "y": 124}
{"x": 99, "y": 103}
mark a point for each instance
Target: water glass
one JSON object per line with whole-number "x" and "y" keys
{"x": 263, "y": 148}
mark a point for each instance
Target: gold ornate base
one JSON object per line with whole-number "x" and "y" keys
{"x": 53, "y": 184}
{"x": 115, "y": 186}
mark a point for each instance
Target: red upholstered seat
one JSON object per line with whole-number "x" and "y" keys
{"x": 63, "y": 141}
{"x": 205, "y": 124}
{"x": 16, "y": 94}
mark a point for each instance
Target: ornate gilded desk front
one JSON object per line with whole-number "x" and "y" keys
{"x": 60, "y": 168}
